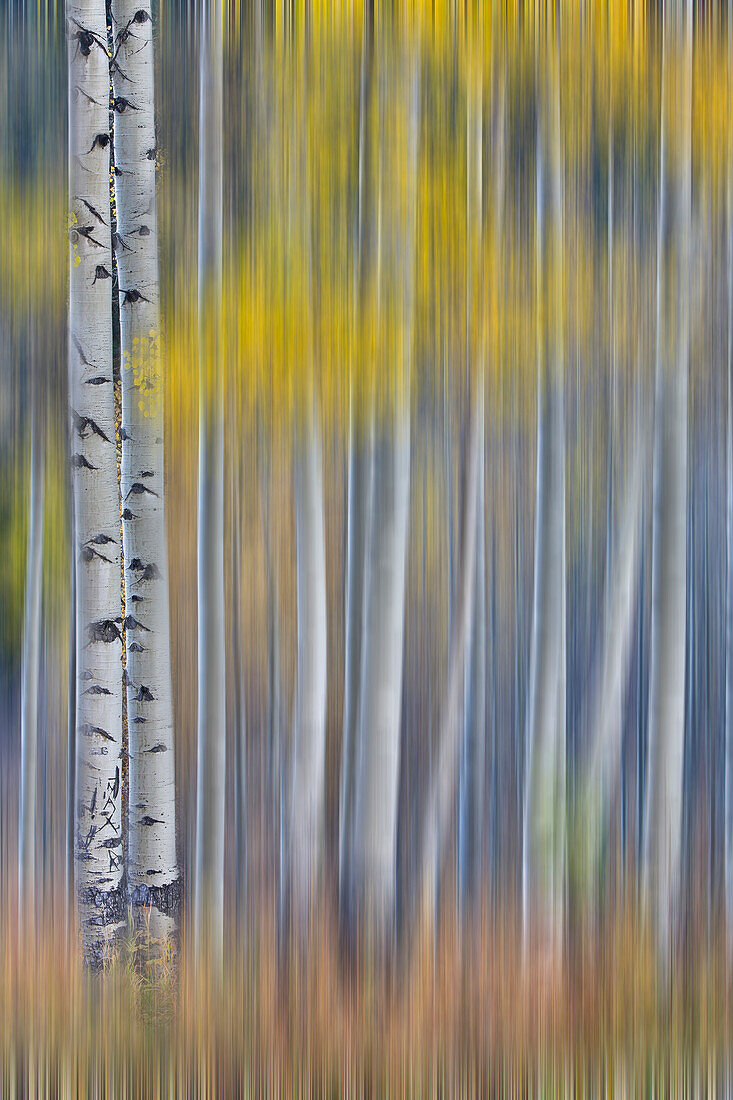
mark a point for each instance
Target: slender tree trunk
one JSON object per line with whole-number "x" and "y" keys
{"x": 607, "y": 708}
{"x": 470, "y": 848}
{"x": 209, "y": 926}
{"x": 669, "y": 569}
{"x": 440, "y": 799}
{"x": 359, "y": 485}
{"x": 240, "y": 722}
{"x": 98, "y": 859}
{"x": 543, "y": 859}
{"x": 309, "y": 758}
{"x": 375, "y": 821}
{"x": 153, "y": 875}
{"x": 31, "y": 661}
{"x": 728, "y": 839}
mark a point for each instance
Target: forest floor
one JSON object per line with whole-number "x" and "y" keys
{"x": 457, "y": 1014}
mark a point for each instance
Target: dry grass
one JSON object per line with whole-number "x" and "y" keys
{"x": 463, "y": 1013}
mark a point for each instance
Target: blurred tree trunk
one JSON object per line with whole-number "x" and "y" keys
{"x": 728, "y": 839}
{"x": 309, "y": 757}
{"x": 543, "y": 861}
{"x": 380, "y": 701}
{"x": 153, "y": 876}
{"x": 31, "y": 656}
{"x": 209, "y": 905}
{"x": 98, "y": 859}
{"x": 669, "y": 552}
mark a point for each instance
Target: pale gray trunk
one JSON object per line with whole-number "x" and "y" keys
{"x": 669, "y": 553}
{"x": 309, "y": 757}
{"x": 543, "y": 859}
{"x": 441, "y": 795}
{"x": 380, "y": 700}
{"x": 359, "y": 483}
{"x": 153, "y": 878}
{"x": 473, "y": 764}
{"x": 240, "y": 722}
{"x": 607, "y": 706}
{"x": 209, "y": 920}
{"x": 98, "y": 858}
{"x": 31, "y": 663}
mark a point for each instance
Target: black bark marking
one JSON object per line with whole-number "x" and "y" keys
{"x": 98, "y": 380}
{"x": 88, "y": 553}
{"x": 131, "y": 623}
{"x": 120, "y": 104}
{"x": 95, "y": 214}
{"x": 132, "y": 297}
{"x": 79, "y": 462}
{"x": 139, "y": 719}
{"x": 147, "y": 820}
{"x": 101, "y": 141}
{"x": 138, "y": 489}
{"x": 87, "y": 729}
{"x": 100, "y": 272}
{"x": 135, "y": 647}
{"x": 104, "y": 630}
{"x": 160, "y": 747}
{"x": 95, "y": 689}
{"x": 127, "y": 514}
{"x": 144, "y": 695}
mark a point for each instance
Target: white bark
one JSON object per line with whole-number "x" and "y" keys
{"x": 309, "y": 757}
{"x": 96, "y": 495}
{"x": 473, "y": 765}
{"x": 209, "y": 920}
{"x": 153, "y": 878}
{"x": 441, "y": 795}
{"x": 358, "y": 526}
{"x": 31, "y": 665}
{"x": 607, "y": 706}
{"x": 377, "y": 783}
{"x": 661, "y": 882}
{"x": 543, "y": 857}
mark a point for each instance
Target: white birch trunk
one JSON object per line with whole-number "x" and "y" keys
{"x": 473, "y": 764}
{"x": 375, "y": 820}
{"x": 359, "y": 483}
{"x": 440, "y": 799}
{"x": 607, "y": 711}
{"x": 98, "y": 858}
{"x": 31, "y": 665}
{"x": 543, "y": 857}
{"x": 153, "y": 878}
{"x": 209, "y": 920}
{"x": 309, "y": 757}
{"x": 663, "y": 836}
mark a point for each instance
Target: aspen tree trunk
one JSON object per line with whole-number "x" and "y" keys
{"x": 309, "y": 758}
{"x": 473, "y": 768}
{"x": 606, "y": 726}
{"x": 728, "y": 833}
{"x": 380, "y": 703}
{"x": 543, "y": 860}
{"x": 360, "y": 469}
{"x": 240, "y": 721}
{"x": 98, "y": 857}
{"x": 209, "y": 926}
{"x": 440, "y": 799}
{"x": 669, "y": 558}
{"x": 31, "y": 662}
{"x": 359, "y": 487}
{"x": 152, "y": 874}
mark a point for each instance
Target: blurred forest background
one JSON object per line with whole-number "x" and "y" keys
{"x": 480, "y": 258}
